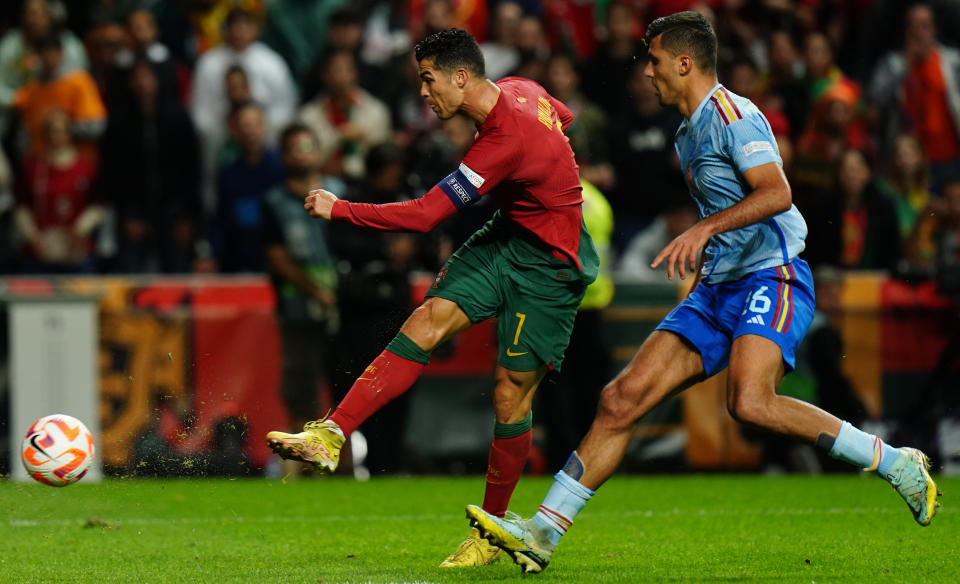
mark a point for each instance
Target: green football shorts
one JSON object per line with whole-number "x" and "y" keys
{"x": 501, "y": 272}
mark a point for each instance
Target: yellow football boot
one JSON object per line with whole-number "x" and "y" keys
{"x": 474, "y": 551}
{"x": 319, "y": 444}
{"x": 520, "y": 538}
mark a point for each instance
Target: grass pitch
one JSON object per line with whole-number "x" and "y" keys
{"x": 637, "y": 529}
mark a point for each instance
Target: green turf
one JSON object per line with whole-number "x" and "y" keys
{"x": 637, "y": 529}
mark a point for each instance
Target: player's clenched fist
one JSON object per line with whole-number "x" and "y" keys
{"x": 319, "y": 203}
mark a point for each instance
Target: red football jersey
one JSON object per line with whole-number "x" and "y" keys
{"x": 57, "y": 196}
{"x": 520, "y": 158}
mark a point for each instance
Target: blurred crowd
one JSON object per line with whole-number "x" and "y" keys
{"x": 144, "y": 136}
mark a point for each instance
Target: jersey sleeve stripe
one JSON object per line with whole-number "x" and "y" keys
{"x": 726, "y": 107}
{"x": 723, "y": 114}
{"x": 731, "y": 114}
{"x": 730, "y": 101}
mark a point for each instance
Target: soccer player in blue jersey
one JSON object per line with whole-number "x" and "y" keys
{"x": 749, "y": 310}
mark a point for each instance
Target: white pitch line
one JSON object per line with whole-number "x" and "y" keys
{"x": 228, "y": 519}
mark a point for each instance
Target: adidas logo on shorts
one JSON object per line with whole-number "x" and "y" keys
{"x": 756, "y": 319}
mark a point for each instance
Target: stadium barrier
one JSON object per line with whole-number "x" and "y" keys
{"x": 185, "y": 361}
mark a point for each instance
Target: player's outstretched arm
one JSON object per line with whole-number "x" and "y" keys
{"x": 770, "y": 195}
{"x": 418, "y": 215}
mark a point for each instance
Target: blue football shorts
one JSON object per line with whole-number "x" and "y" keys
{"x": 776, "y": 303}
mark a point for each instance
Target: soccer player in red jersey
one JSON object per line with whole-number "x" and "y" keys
{"x": 528, "y": 266}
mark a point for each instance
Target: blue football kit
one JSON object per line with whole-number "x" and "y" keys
{"x": 751, "y": 281}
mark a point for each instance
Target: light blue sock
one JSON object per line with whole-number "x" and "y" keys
{"x": 864, "y": 450}
{"x": 564, "y": 500}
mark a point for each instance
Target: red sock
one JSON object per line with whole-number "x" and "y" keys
{"x": 387, "y": 377}
{"x": 504, "y": 467}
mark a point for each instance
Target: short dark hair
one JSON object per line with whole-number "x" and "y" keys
{"x": 238, "y": 14}
{"x": 345, "y": 16}
{"x": 291, "y": 130}
{"x": 236, "y": 108}
{"x": 450, "y": 49}
{"x": 383, "y": 156}
{"x": 686, "y": 32}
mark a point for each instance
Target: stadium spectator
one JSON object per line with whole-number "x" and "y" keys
{"x": 255, "y": 169}
{"x": 346, "y": 34}
{"x": 532, "y": 48}
{"x": 20, "y": 61}
{"x": 588, "y": 132}
{"x": 150, "y": 173}
{"x": 500, "y": 51}
{"x": 634, "y": 263}
{"x": 721, "y": 322}
{"x": 606, "y": 76}
{"x": 57, "y": 207}
{"x": 530, "y": 264}
{"x": 833, "y": 127}
{"x": 298, "y": 31}
{"x": 430, "y": 16}
{"x": 571, "y": 26}
{"x": 270, "y": 85}
{"x": 75, "y": 92}
{"x": 917, "y": 90}
{"x": 145, "y": 44}
{"x": 203, "y": 25}
{"x": 386, "y": 37}
{"x": 936, "y": 397}
{"x": 938, "y": 223}
{"x": 236, "y": 86}
{"x": 785, "y": 81}
{"x": 648, "y": 177}
{"x": 822, "y": 73}
{"x": 907, "y": 185}
{"x": 948, "y": 240}
{"x": 8, "y": 252}
{"x": 853, "y": 225}
{"x": 303, "y": 271}
{"x": 103, "y": 43}
{"x": 346, "y": 118}
{"x": 735, "y": 22}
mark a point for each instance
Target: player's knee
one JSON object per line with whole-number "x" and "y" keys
{"x": 426, "y": 326}
{"x": 510, "y": 396}
{"x": 506, "y": 407}
{"x": 746, "y": 406}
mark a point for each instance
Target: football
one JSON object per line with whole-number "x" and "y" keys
{"x": 57, "y": 450}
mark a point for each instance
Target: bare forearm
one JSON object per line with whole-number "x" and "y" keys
{"x": 761, "y": 204}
